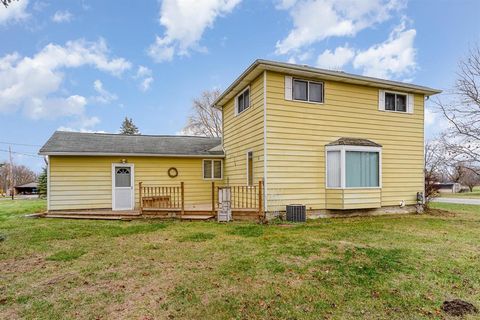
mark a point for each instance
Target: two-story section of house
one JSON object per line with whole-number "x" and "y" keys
{"x": 325, "y": 139}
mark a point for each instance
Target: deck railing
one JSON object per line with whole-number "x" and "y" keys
{"x": 165, "y": 198}
{"x": 162, "y": 197}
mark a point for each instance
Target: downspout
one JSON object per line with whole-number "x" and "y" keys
{"x": 265, "y": 180}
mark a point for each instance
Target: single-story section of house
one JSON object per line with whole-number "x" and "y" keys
{"x": 104, "y": 171}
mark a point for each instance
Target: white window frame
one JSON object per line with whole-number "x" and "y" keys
{"x": 409, "y": 101}
{"x": 343, "y": 150}
{"x": 249, "y": 100}
{"x": 248, "y": 167}
{"x": 308, "y": 89}
{"x": 213, "y": 167}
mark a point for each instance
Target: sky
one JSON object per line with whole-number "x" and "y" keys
{"x": 85, "y": 65}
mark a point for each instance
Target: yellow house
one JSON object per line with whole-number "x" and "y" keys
{"x": 329, "y": 140}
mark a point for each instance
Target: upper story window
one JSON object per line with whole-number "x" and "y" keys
{"x": 304, "y": 90}
{"x": 395, "y": 101}
{"x": 242, "y": 101}
{"x": 212, "y": 169}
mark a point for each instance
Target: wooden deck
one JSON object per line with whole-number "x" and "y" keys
{"x": 191, "y": 213}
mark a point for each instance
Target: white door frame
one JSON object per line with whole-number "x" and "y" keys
{"x": 132, "y": 178}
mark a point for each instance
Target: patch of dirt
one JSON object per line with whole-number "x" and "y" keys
{"x": 439, "y": 213}
{"x": 457, "y": 307}
{"x": 18, "y": 266}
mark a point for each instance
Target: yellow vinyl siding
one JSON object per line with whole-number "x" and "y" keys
{"x": 297, "y": 133}
{"x": 353, "y": 198}
{"x": 243, "y": 133}
{"x": 86, "y": 182}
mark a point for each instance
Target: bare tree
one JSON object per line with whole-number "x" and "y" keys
{"x": 6, "y": 3}
{"x": 434, "y": 164}
{"x": 204, "y": 119}
{"x": 465, "y": 174}
{"x": 462, "y": 111}
{"x": 21, "y": 175}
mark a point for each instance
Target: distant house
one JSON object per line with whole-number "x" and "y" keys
{"x": 449, "y": 187}
{"x": 293, "y": 134}
{"x": 27, "y": 189}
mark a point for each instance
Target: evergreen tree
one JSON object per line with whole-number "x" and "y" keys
{"x": 128, "y": 127}
{"x": 42, "y": 183}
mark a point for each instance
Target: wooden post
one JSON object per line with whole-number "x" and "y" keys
{"x": 213, "y": 197}
{"x": 182, "y": 191}
{"x": 260, "y": 204}
{"x": 140, "y": 196}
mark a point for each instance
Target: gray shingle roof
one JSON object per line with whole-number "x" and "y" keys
{"x": 78, "y": 143}
{"x": 354, "y": 142}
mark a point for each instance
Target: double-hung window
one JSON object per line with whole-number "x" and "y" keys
{"x": 353, "y": 167}
{"x": 242, "y": 101}
{"x": 303, "y": 90}
{"x": 212, "y": 169}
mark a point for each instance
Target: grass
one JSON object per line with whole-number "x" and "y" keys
{"x": 392, "y": 267}
{"x": 466, "y": 195}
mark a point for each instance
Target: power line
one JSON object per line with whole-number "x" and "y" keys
{"x": 20, "y": 144}
{"x": 24, "y": 154}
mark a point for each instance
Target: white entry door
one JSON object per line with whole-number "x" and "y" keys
{"x": 122, "y": 187}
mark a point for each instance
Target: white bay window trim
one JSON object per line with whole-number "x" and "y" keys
{"x": 343, "y": 149}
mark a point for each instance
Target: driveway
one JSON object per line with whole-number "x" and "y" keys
{"x": 458, "y": 201}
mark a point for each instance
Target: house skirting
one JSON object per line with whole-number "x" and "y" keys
{"x": 326, "y": 213}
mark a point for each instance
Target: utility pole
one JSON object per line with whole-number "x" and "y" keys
{"x": 12, "y": 189}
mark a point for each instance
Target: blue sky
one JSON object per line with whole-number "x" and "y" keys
{"x": 85, "y": 65}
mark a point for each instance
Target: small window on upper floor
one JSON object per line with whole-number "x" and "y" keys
{"x": 395, "y": 101}
{"x": 242, "y": 101}
{"x": 309, "y": 91}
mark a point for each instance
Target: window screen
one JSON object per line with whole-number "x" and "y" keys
{"x": 361, "y": 169}
{"x": 315, "y": 92}
{"x": 212, "y": 169}
{"x": 243, "y": 101}
{"x": 300, "y": 90}
{"x": 334, "y": 171}
{"x": 395, "y": 102}
{"x": 217, "y": 169}
{"x": 207, "y": 169}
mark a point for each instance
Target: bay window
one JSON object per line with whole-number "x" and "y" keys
{"x": 353, "y": 167}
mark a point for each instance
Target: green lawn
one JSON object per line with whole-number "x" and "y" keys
{"x": 395, "y": 267}
{"x": 467, "y": 195}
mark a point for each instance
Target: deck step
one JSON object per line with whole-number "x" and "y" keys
{"x": 195, "y": 217}
{"x": 88, "y": 217}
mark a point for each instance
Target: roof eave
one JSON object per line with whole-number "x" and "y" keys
{"x": 119, "y": 154}
{"x": 324, "y": 74}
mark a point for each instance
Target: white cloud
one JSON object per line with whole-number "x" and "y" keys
{"x": 83, "y": 124}
{"x": 33, "y": 84}
{"x": 16, "y": 11}
{"x": 392, "y": 58}
{"x": 336, "y": 59}
{"x": 104, "y": 96}
{"x": 144, "y": 74}
{"x": 185, "y": 22}
{"x": 62, "y": 16}
{"x": 316, "y": 20}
